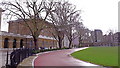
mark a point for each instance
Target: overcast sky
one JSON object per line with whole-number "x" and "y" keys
{"x": 99, "y": 14}
{"x": 96, "y": 14}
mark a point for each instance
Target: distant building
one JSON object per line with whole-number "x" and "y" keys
{"x": 65, "y": 41}
{"x": 76, "y": 40}
{"x": 82, "y": 40}
{"x": 97, "y": 37}
{"x": 117, "y": 38}
{"x": 111, "y": 39}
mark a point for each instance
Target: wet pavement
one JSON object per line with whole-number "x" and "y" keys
{"x": 60, "y": 58}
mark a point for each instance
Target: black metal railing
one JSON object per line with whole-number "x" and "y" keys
{"x": 17, "y": 56}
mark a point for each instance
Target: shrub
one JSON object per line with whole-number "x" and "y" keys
{"x": 44, "y": 50}
{"x": 35, "y": 51}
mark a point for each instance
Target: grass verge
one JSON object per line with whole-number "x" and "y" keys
{"x": 105, "y": 56}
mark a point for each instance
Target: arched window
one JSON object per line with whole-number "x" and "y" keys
{"x": 6, "y": 43}
{"x": 21, "y": 43}
{"x": 14, "y": 43}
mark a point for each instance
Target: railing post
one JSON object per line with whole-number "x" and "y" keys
{"x": 17, "y": 56}
{"x": 7, "y": 59}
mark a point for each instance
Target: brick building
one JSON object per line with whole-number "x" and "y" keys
{"x": 19, "y": 36}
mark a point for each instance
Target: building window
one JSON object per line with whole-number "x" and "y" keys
{"x": 21, "y": 43}
{"x": 6, "y": 43}
{"x": 14, "y": 43}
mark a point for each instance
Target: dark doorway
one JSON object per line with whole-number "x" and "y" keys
{"x": 6, "y": 43}
{"x": 21, "y": 43}
{"x": 14, "y": 43}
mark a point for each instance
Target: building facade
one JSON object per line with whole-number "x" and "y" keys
{"x": 19, "y": 36}
{"x": 97, "y": 37}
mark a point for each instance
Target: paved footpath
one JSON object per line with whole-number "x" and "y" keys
{"x": 3, "y": 55}
{"x": 60, "y": 58}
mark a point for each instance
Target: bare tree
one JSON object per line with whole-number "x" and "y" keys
{"x": 61, "y": 18}
{"x": 82, "y": 33}
{"x": 110, "y": 37}
{"x": 73, "y": 21}
{"x": 32, "y": 13}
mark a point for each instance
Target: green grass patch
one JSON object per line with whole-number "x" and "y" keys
{"x": 105, "y": 56}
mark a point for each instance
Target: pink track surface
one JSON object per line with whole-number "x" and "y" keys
{"x": 59, "y": 58}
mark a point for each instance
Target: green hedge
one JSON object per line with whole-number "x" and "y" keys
{"x": 44, "y": 50}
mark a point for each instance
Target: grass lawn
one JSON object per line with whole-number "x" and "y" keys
{"x": 105, "y": 56}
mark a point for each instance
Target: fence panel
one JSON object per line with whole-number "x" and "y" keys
{"x": 17, "y": 56}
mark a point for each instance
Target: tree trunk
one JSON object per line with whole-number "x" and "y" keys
{"x": 59, "y": 42}
{"x": 70, "y": 43}
{"x": 35, "y": 43}
{"x": 80, "y": 41}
